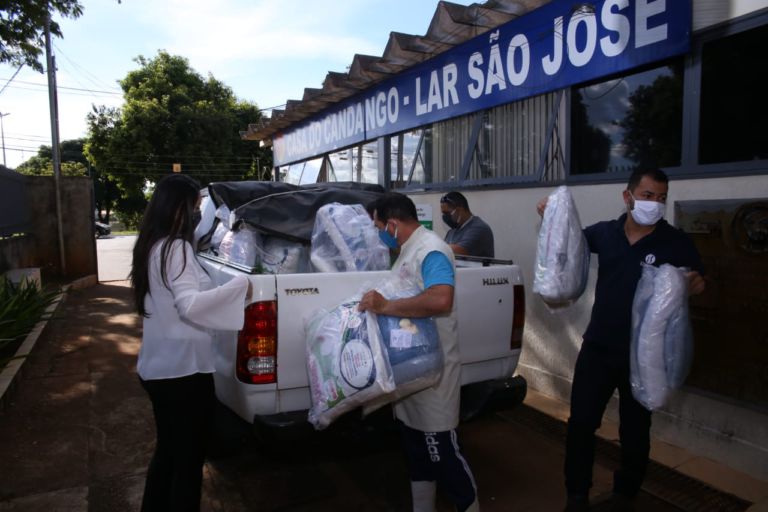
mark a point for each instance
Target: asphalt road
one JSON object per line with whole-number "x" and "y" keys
{"x": 114, "y": 257}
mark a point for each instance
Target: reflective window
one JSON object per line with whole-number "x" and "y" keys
{"x": 358, "y": 163}
{"x": 734, "y": 113}
{"x": 628, "y": 122}
{"x": 302, "y": 172}
{"x": 341, "y": 165}
{"x": 408, "y": 165}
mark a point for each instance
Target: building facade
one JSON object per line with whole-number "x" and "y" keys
{"x": 507, "y": 99}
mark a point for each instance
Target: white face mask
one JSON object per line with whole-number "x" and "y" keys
{"x": 647, "y": 213}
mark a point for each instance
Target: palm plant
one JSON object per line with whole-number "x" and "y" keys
{"x": 22, "y": 305}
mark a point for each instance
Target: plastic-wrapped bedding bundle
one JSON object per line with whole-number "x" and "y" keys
{"x": 661, "y": 349}
{"x": 346, "y": 362}
{"x": 413, "y": 348}
{"x": 344, "y": 239}
{"x": 241, "y": 246}
{"x": 279, "y": 256}
{"x": 562, "y": 253}
{"x": 222, "y": 227}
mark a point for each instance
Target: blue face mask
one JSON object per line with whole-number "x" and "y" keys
{"x": 387, "y": 239}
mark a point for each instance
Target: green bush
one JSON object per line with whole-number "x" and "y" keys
{"x": 21, "y": 307}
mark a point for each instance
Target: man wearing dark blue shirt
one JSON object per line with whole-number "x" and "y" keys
{"x": 638, "y": 236}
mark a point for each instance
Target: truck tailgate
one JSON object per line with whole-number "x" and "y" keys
{"x": 300, "y": 295}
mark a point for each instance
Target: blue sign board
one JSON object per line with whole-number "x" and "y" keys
{"x": 558, "y": 45}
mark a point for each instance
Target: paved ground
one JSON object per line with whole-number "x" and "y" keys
{"x": 115, "y": 252}
{"x": 78, "y": 434}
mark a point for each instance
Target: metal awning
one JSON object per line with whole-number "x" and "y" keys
{"x": 451, "y": 25}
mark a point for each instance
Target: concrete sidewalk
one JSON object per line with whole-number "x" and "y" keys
{"x": 78, "y": 431}
{"x": 75, "y": 435}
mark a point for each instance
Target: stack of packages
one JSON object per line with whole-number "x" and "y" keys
{"x": 268, "y": 226}
{"x": 361, "y": 359}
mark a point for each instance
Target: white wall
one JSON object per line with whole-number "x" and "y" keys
{"x": 709, "y": 426}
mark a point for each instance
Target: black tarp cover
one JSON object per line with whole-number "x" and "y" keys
{"x": 287, "y": 210}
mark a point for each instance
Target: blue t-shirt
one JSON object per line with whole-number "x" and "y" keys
{"x": 619, "y": 270}
{"x": 437, "y": 269}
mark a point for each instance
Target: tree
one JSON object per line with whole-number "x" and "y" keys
{"x": 653, "y": 134}
{"x": 22, "y": 25}
{"x": 172, "y": 115}
{"x": 74, "y": 163}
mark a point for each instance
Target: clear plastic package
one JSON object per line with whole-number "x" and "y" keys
{"x": 661, "y": 348}
{"x": 241, "y": 246}
{"x": 346, "y": 362}
{"x": 562, "y": 252}
{"x": 344, "y": 239}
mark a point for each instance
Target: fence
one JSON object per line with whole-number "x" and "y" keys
{"x": 14, "y": 211}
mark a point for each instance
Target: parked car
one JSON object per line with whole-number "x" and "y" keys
{"x": 101, "y": 229}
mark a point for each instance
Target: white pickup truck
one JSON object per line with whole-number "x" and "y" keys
{"x": 261, "y": 370}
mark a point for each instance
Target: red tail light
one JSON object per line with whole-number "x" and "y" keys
{"x": 518, "y": 318}
{"x": 257, "y": 344}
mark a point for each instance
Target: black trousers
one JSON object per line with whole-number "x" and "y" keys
{"x": 184, "y": 414}
{"x": 436, "y": 457}
{"x": 597, "y": 375}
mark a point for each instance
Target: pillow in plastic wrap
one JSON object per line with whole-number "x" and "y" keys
{"x": 413, "y": 348}
{"x": 562, "y": 253}
{"x": 222, "y": 213}
{"x": 344, "y": 239}
{"x": 346, "y": 362}
{"x": 279, "y": 256}
{"x": 661, "y": 349}
{"x": 241, "y": 246}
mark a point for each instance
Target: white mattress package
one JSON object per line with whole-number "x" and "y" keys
{"x": 562, "y": 253}
{"x": 661, "y": 349}
{"x": 346, "y": 362}
{"x": 344, "y": 239}
{"x": 241, "y": 246}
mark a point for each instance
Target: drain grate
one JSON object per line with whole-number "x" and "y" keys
{"x": 662, "y": 482}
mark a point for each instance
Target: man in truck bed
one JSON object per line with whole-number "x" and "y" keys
{"x": 427, "y": 419}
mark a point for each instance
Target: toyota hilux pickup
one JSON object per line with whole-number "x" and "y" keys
{"x": 261, "y": 372}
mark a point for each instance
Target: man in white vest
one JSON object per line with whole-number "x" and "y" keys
{"x": 428, "y": 418}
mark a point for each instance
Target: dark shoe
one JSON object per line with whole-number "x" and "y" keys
{"x": 621, "y": 503}
{"x": 577, "y": 503}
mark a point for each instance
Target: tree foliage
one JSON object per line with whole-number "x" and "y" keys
{"x": 22, "y": 25}
{"x": 653, "y": 124}
{"x": 172, "y": 115}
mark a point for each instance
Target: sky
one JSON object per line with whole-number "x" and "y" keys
{"x": 267, "y": 51}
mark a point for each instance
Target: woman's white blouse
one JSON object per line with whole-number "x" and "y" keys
{"x": 176, "y": 340}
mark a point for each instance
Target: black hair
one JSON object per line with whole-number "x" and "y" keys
{"x": 168, "y": 217}
{"x": 456, "y": 199}
{"x": 394, "y": 205}
{"x": 655, "y": 174}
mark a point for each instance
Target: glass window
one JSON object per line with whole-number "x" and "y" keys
{"x": 302, "y": 172}
{"x": 341, "y": 165}
{"x": 628, "y": 122}
{"x": 408, "y": 165}
{"x": 358, "y": 163}
{"x": 734, "y": 113}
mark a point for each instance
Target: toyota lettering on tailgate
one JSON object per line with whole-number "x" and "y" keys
{"x": 302, "y": 291}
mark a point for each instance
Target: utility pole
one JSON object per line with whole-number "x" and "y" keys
{"x": 2, "y": 134}
{"x": 54, "y": 107}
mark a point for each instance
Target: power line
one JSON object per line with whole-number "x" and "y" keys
{"x": 79, "y": 89}
{"x": 11, "y": 79}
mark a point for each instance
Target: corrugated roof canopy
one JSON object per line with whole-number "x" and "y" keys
{"x": 451, "y": 25}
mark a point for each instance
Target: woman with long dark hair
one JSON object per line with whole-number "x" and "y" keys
{"x": 179, "y": 304}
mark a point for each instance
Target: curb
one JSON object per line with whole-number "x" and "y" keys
{"x": 9, "y": 375}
